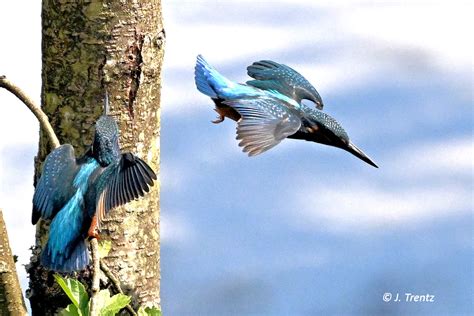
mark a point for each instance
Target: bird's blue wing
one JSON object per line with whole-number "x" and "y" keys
{"x": 264, "y": 123}
{"x": 270, "y": 75}
{"x": 54, "y": 188}
{"x": 122, "y": 182}
{"x": 210, "y": 82}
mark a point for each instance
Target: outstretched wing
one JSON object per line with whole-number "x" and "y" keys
{"x": 54, "y": 188}
{"x": 122, "y": 182}
{"x": 264, "y": 123}
{"x": 270, "y": 75}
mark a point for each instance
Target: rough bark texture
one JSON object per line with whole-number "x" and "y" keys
{"x": 11, "y": 297}
{"x": 87, "y": 47}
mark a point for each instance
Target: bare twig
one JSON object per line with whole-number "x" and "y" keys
{"x": 116, "y": 283}
{"x": 95, "y": 274}
{"x": 37, "y": 111}
{"x": 95, "y": 264}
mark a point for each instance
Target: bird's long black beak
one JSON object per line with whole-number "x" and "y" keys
{"x": 106, "y": 103}
{"x": 359, "y": 154}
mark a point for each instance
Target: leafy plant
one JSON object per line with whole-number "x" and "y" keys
{"x": 149, "y": 311}
{"x": 77, "y": 293}
{"x": 75, "y": 290}
{"x": 107, "y": 305}
{"x": 104, "y": 248}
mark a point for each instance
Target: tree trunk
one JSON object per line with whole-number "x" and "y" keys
{"x": 89, "y": 47}
{"x": 11, "y": 297}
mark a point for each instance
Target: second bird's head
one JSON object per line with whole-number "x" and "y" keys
{"x": 105, "y": 147}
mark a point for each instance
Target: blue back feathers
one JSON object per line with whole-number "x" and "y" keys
{"x": 210, "y": 82}
{"x": 66, "y": 249}
{"x": 65, "y": 236}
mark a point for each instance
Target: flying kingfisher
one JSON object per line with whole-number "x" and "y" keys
{"x": 269, "y": 108}
{"x": 76, "y": 194}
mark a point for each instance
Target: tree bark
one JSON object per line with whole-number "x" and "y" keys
{"x": 11, "y": 297}
{"x": 89, "y": 47}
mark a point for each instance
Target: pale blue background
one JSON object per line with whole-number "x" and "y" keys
{"x": 302, "y": 229}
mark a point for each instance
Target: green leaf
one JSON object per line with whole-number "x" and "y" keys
{"x": 70, "y": 310}
{"x": 76, "y": 292}
{"x": 104, "y": 248}
{"x": 109, "y": 306}
{"x": 149, "y": 311}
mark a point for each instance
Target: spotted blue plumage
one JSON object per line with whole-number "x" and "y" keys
{"x": 268, "y": 109}
{"x": 62, "y": 241}
{"x": 273, "y": 76}
{"x": 69, "y": 191}
{"x": 210, "y": 82}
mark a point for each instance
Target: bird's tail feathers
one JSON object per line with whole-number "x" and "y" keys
{"x": 59, "y": 261}
{"x": 208, "y": 80}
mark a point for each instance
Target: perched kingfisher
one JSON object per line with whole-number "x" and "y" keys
{"x": 76, "y": 194}
{"x": 269, "y": 108}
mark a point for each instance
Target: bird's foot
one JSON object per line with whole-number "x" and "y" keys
{"x": 220, "y": 118}
{"x": 93, "y": 231}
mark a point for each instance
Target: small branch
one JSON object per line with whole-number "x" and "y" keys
{"x": 37, "y": 111}
{"x": 116, "y": 283}
{"x": 95, "y": 274}
{"x": 112, "y": 278}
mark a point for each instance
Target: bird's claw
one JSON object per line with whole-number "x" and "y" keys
{"x": 93, "y": 231}
{"x": 219, "y": 119}
{"x": 93, "y": 234}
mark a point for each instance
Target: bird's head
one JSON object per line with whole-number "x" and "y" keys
{"x": 326, "y": 130}
{"x": 106, "y": 147}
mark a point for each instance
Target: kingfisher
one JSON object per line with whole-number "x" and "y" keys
{"x": 77, "y": 193}
{"x": 269, "y": 108}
